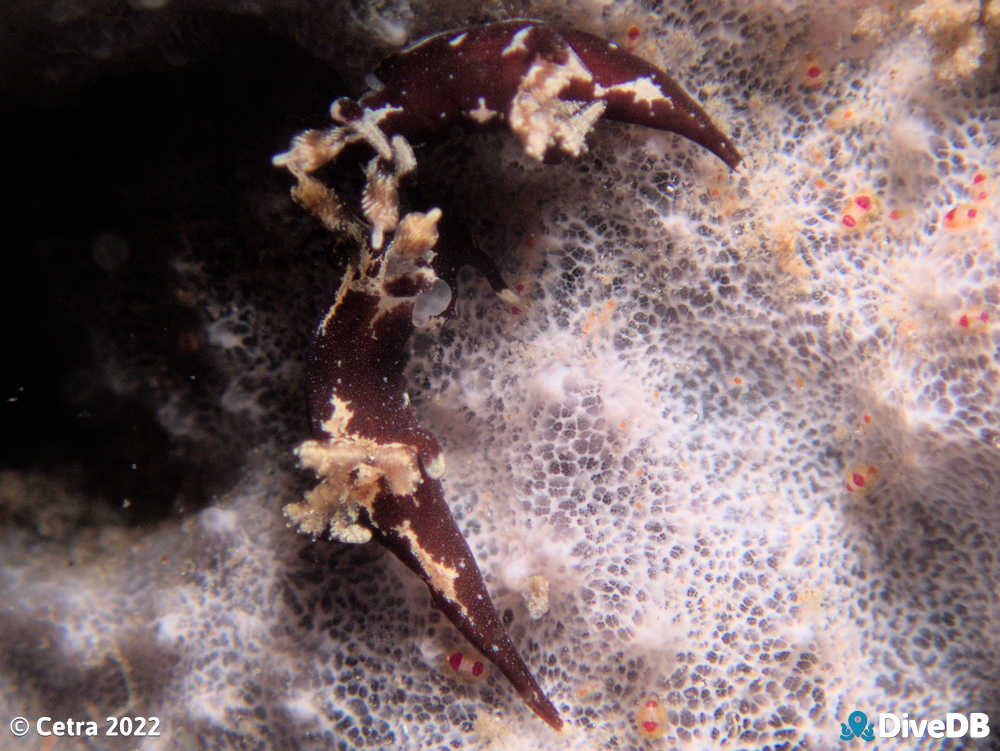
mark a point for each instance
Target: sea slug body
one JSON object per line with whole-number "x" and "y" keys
{"x": 547, "y": 84}
{"x": 379, "y": 472}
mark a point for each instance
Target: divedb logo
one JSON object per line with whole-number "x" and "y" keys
{"x": 891, "y": 725}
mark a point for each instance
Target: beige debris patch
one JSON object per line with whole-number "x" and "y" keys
{"x": 313, "y": 148}
{"x": 380, "y": 201}
{"x": 310, "y": 151}
{"x": 322, "y": 512}
{"x": 368, "y": 128}
{"x": 414, "y": 241}
{"x": 536, "y": 595}
{"x": 542, "y": 120}
{"x": 323, "y": 204}
{"x": 960, "y": 39}
{"x": 442, "y": 577}
{"x": 352, "y": 470}
{"x": 380, "y": 198}
{"x": 404, "y": 160}
{"x": 353, "y": 456}
{"x": 417, "y": 233}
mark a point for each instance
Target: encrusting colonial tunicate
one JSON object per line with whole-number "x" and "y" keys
{"x": 379, "y": 471}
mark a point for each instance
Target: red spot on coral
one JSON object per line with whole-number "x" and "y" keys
{"x": 950, "y": 216}
{"x": 652, "y": 703}
{"x": 868, "y": 418}
{"x": 895, "y": 214}
{"x": 477, "y": 668}
{"x": 515, "y": 310}
{"x": 978, "y": 178}
{"x": 455, "y": 660}
{"x": 519, "y": 287}
{"x": 982, "y": 196}
{"x": 650, "y": 727}
{"x": 737, "y": 380}
{"x": 849, "y": 221}
{"x": 864, "y": 202}
{"x": 858, "y": 479}
{"x": 964, "y": 321}
{"x": 971, "y": 213}
{"x": 813, "y": 71}
{"x": 984, "y": 317}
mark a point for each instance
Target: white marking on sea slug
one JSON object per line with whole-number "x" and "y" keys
{"x": 442, "y": 577}
{"x": 642, "y": 90}
{"x": 517, "y": 42}
{"x": 481, "y": 114}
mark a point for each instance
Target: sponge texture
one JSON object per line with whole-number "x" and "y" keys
{"x": 737, "y": 447}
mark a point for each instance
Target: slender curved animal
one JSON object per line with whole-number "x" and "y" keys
{"x": 379, "y": 472}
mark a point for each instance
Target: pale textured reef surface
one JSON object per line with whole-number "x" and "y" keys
{"x": 663, "y": 431}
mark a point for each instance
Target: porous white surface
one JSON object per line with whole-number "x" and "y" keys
{"x": 663, "y": 431}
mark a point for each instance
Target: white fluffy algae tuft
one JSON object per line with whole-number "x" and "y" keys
{"x": 743, "y": 431}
